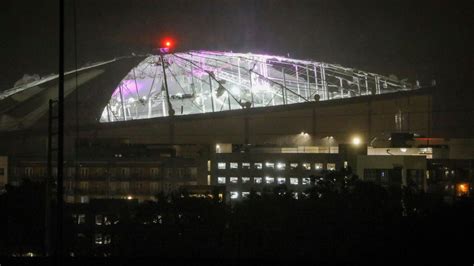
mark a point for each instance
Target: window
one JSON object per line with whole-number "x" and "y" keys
{"x": 293, "y": 166}
{"x": 245, "y": 194}
{"x": 2, "y": 171}
{"x": 234, "y": 180}
{"x": 234, "y": 194}
{"x": 306, "y": 166}
{"x": 221, "y": 180}
{"x": 107, "y": 239}
{"x": 245, "y": 180}
{"x": 71, "y": 171}
{"x": 258, "y": 180}
{"x": 245, "y": 165}
{"x": 221, "y": 166}
{"x": 258, "y": 166}
{"x": 269, "y": 165}
{"x": 331, "y": 166}
{"x": 281, "y": 180}
{"x": 384, "y": 176}
{"x": 281, "y": 166}
{"x": 234, "y": 165}
{"x": 124, "y": 186}
{"x": 305, "y": 181}
{"x": 193, "y": 172}
{"x": 125, "y": 171}
{"x": 99, "y": 219}
{"x": 79, "y": 218}
{"x": 269, "y": 180}
{"x": 84, "y": 199}
{"x": 209, "y": 165}
{"x": 154, "y": 172}
{"x": 102, "y": 239}
{"x": 295, "y": 195}
{"x": 83, "y": 185}
{"x": 180, "y": 172}
{"x": 28, "y": 171}
{"x": 294, "y": 181}
{"x": 318, "y": 166}
{"x": 98, "y": 239}
{"x": 84, "y": 172}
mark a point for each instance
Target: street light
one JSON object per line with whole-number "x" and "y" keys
{"x": 356, "y": 141}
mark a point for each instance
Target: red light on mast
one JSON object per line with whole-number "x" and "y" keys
{"x": 167, "y": 43}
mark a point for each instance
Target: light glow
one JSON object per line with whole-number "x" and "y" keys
{"x": 356, "y": 141}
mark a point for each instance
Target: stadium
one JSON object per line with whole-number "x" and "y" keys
{"x": 234, "y": 120}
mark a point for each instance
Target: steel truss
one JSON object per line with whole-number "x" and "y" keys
{"x": 208, "y": 81}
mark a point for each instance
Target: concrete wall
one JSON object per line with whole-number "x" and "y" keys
{"x": 367, "y": 117}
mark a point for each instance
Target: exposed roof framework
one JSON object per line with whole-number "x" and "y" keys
{"x": 209, "y": 81}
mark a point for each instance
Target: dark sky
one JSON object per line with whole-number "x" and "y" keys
{"x": 415, "y": 39}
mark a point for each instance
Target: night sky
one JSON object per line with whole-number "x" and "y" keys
{"x": 412, "y": 39}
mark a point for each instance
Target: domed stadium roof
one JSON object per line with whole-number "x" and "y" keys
{"x": 210, "y": 81}
{"x": 133, "y": 87}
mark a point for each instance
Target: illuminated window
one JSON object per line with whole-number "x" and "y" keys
{"x": 318, "y": 166}
{"x": 305, "y": 181}
{"x": 234, "y": 194}
{"x": 107, "y": 239}
{"x": 245, "y": 194}
{"x": 293, "y": 166}
{"x": 245, "y": 180}
{"x": 234, "y": 165}
{"x": 209, "y": 165}
{"x": 294, "y": 181}
{"x": 281, "y": 180}
{"x": 99, "y": 219}
{"x": 245, "y": 165}
{"x": 84, "y": 199}
{"x": 221, "y": 180}
{"x": 258, "y": 180}
{"x": 257, "y": 165}
{"x": 295, "y": 195}
{"x": 269, "y": 180}
{"x": 270, "y": 165}
{"x": 79, "y": 218}
{"x": 233, "y": 180}
{"x": 331, "y": 166}
{"x": 281, "y": 166}
{"x": 306, "y": 166}
{"x": 98, "y": 239}
{"x": 221, "y": 166}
